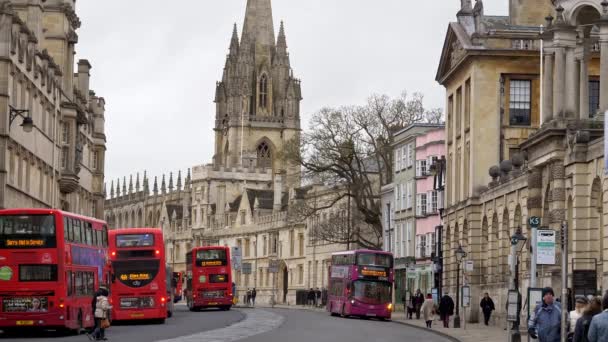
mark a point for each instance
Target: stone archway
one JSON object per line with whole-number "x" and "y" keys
{"x": 283, "y": 283}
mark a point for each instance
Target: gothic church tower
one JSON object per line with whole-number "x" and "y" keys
{"x": 258, "y": 99}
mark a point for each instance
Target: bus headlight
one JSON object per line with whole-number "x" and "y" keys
{"x": 352, "y": 301}
{"x": 390, "y": 307}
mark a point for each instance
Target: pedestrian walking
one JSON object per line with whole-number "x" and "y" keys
{"x": 101, "y": 313}
{"x": 487, "y": 306}
{"x": 254, "y": 294}
{"x": 446, "y": 309}
{"x": 545, "y": 321}
{"x": 428, "y": 311}
{"x": 317, "y": 297}
{"x": 580, "y": 304}
{"x": 248, "y": 297}
{"x": 581, "y": 330}
{"x": 404, "y": 303}
{"x": 598, "y": 331}
{"x": 418, "y": 301}
{"x": 310, "y": 299}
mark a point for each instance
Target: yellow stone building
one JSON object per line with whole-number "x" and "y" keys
{"x": 522, "y": 145}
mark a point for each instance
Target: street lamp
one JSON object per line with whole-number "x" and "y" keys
{"x": 27, "y": 124}
{"x": 460, "y": 255}
{"x": 518, "y": 242}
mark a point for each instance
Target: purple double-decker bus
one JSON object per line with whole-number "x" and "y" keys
{"x": 361, "y": 284}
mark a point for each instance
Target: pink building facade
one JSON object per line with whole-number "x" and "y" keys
{"x": 430, "y": 147}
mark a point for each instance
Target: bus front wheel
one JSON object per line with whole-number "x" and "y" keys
{"x": 331, "y": 311}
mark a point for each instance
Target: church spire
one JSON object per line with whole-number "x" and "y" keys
{"x": 282, "y": 40}
{"x": 234, "y": 42}
{"x": 258, "y": 26}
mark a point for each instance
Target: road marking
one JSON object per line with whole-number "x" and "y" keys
{"x": 256, "y": 322}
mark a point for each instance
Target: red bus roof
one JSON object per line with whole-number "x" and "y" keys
{"x": 209, "y": 247}
{"x": 362, "y": 251}
{"x": 135, "y": 231}
{"x": 42, "y": 211}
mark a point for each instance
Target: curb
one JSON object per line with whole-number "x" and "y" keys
{"x": 439, "y": 333}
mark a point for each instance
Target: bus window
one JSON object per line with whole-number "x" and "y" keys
{"x": 89, "y": 231}
{"x": 66, "y": 231}
{"x": 70, "y": 230}
{"x": 76, "y": 227}
{"x": 69, "y": 282}
{"x": 105, "y": 236}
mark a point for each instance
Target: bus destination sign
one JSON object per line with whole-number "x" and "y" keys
{"x": 25, "y": 243}
{"x": 205, "y": 263}
{"x": 374, "y": 272}
{"x": 135, "y": 276}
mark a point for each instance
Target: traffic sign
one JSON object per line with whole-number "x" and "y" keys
{"x": 534, "y": 222}
{"x": 469, "y": 266}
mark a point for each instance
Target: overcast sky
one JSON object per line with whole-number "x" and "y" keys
{"x": 156, "y": 63}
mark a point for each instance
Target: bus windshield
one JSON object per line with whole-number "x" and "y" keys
{"x": 27, "y": 231}
{"x": 372, "y": 292}
{"x": 370, "y": 259}
{"x": 211, "y": 257}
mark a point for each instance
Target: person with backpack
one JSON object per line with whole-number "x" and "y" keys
{"x": 101, "y": 312}
{"x": 581, "y": 330}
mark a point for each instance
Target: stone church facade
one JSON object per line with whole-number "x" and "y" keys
{"x": 60, "y": 162}
{"x": 244, "y": 196}
{"x": 513, "y": 154}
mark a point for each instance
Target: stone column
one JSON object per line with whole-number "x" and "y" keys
{"x": 559, "y": 79}
{"x": 548, "y": 88}
{"x": 557, "y": 207}
{"x": 583, "y": 88}
{"x": 572, "y": 84}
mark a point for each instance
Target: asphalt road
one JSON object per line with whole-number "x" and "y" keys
{"x": 252, "y": 325}
{"x": 307, "y": 326}
{"x": 182, "y": 323}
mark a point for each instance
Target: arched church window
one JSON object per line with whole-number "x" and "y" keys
{"x": 264, "y": 91}
{"x": 264, "y": 156}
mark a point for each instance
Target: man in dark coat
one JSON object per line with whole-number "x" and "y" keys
{"x": 446, "y": 309}
{"x": 487, "y": 306}
{"x": 418, "y": 301}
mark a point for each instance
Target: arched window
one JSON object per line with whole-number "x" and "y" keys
{"x": 264, "y": 156}
{"x": 264, "y": 91}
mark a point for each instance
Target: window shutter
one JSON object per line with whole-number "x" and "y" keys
{"x": 396, "y": 161}
{"x": 410, "y": 188}
{"x": 418, "y": 205}
{"x": 402, "y": 165}
{"x": 429, "y": 202}
{"x": 418, "y": 247}
{"x": 418, "y": 168}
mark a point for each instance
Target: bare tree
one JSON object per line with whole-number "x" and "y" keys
{"x": 349, "y": 148}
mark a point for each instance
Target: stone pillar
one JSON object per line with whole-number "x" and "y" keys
{"x": 572, "y": 84}
{"x": 548, "y": 88}
{"x": 604, "y": 67}
{"x": 535, "y": 196}
{"x": 583, "y": 88}
{"x": 559, "y": 79}
{"x": 557, "y": 207}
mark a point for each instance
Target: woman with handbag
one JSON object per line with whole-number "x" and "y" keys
{"x": 102, "y": 308}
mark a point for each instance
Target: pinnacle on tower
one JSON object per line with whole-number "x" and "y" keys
{"x": 163, "y": 186}
{"x": 282, "y": 40}
{"x": 258, "y": 25}
{"x": 170, "y": 181}
{"x": 118, "y": 187}
{"x": 112, "y": 189}
{"x": 146, "y": 185}
{"x": 188, "y": 178}
{"x": 155, "y": 190}
{"x": 124, "y": 186}
{"x": 234, "y": 42}
{"x": 179, "y": 180}
{"x": 137, "y": 185}
{"x": 130, "y": 184}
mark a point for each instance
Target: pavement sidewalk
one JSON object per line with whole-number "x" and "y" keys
{"x": 473, "y": 332}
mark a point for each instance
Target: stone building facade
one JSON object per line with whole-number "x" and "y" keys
{"x": 60, "y": 163}
{"x": 512, "y": 154}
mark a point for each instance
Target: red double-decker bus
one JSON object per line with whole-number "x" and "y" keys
{"x": 139, "y": 281}
{"x": 208, "y": 278}
{"x": 51, "y": 263}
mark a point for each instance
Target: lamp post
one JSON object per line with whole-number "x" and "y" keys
{"x": 460, "y": 255}
{"x": 518, "y": 241}
{"x": 27, "y": 124}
